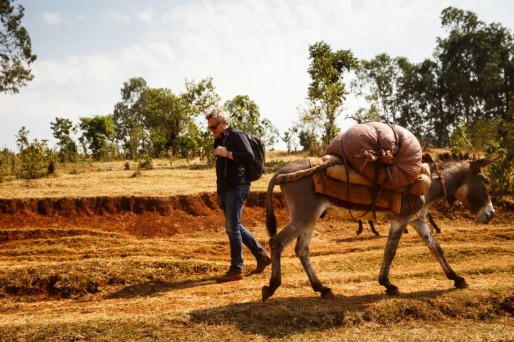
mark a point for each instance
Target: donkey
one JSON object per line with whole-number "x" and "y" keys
{"x": 451, "y": 176}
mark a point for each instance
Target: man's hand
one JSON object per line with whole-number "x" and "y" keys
{"x": 221, "y": 151}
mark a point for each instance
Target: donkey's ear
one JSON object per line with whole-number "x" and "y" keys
{"x": 485, "y": 161}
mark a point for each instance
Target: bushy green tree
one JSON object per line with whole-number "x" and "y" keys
{"x": 35, "y": 157}
{"x": 7, "y": 164}
{"x": 327, "y": 90}
{"x": 246, "y": 116}
{"x": 502, "y": 171}
{"x": 62, "y": 129}
{"x": 494, "y": 138}
{"x": 98, "y": 134}
{"x": 129, "y": 119}
{"x": 15, "y": 48}
{"x": 165, "y": 116}
{"x": 476, "y": 69}
{"x": 376, "y": 80}
{"x": 196, "y": 141}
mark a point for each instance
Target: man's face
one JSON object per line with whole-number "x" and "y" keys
{"x": 215, "y": 127}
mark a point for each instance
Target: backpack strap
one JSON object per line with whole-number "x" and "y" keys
{"x": 226, "y": 159}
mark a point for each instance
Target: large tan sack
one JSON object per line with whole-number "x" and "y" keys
{"x": 419, "y": 187}
{"x": 387, "y": 154}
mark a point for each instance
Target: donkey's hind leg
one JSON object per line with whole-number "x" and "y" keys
{"x": 359, "y": 230}
{"x": 277, "y": 245}
{"x": 373, "y": 230}
{"x": 424, "y": 231}
{"x": 302, "y": 251}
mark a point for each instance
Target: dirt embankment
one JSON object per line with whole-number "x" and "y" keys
{"x": 141, "y": 216}
{"x": 156, "y": 216}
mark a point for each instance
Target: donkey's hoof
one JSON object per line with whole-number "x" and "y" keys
{"x": 393, "y": 292}
{"x": 266, "y": 293}
{"x": 460, "y": 283}
{"x": 327, "y": 294}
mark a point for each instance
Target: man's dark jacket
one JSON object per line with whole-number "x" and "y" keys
{"x": 232, "y": 173}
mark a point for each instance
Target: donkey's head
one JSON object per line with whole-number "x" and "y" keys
{"x": 474, "y": 191}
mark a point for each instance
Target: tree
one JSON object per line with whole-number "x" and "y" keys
{"x": 327, "y": 92}
{"x": 98, "y": 134}
{"x": 62, "y": 129}
{"x": 200, "y": 96}
{"x": 477, "y": 68}
{"x": 367, "y": 114}
{"x": 419, "y": 101}
{"x": 197, "y": 140}
{"x": 398, "y": 92}
{"x": 7, "y": 163}
{"x": 376, "y": 80}
{"x": 165, "y": 117}
{"x": 290, "y": 138}
{"x": 245, "y": 115}
{"x": 271, "y": 134}
{"x": 35, "y": 157}
{"x": 128, "y": 118}
{"x": 15, "y": 48}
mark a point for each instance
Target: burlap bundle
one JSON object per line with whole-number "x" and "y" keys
{"x": 387, "y": 155}
{"x": 419, "y": 187}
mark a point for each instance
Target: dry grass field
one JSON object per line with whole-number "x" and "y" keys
{"x": 139, "y": 264}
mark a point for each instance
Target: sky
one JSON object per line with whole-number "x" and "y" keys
{"x": 87, "y": 49}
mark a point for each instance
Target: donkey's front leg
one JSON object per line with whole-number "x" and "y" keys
{"x": 302, "y": 251}
{"x": 395, "y": 233}
{"x": 424, "y": 231}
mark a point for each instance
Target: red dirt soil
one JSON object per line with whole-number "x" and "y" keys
{"x": 146, "y": 217}
{"x": 138, "y": 216}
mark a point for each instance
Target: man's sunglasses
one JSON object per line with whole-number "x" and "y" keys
{"x": 213, "y": 127}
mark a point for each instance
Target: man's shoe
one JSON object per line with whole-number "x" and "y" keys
{"x": 230, "y": 276}
{"x": 262, "y": 263}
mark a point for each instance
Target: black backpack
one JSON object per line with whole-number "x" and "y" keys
{"x": 256, "y": 166}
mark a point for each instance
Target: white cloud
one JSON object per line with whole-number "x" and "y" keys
{"x": 146, "y": 16}
{"x": 51, "y": 18}
{"x": 115, "y": 17}
{"x": 74, "y": 70}
{"x": 83, "y": 18}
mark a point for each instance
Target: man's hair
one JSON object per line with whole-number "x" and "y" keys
{"x": 216, "y": 113}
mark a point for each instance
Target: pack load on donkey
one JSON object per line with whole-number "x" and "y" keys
{"x": 374, "y": 164}
{"x": 385, "y": 154}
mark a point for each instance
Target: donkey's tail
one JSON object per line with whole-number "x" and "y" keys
{"x": 271, "y": 220}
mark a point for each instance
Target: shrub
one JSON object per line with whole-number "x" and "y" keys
{"x": 145, "y": 163}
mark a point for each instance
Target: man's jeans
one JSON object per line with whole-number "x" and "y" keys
{"x": 232, "y": 204}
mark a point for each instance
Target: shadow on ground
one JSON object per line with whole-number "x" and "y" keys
{"x": 156, "y": 287}
{"x": 285, "y": 317}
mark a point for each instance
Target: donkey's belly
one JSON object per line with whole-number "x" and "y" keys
{"x": 356, "y": 214}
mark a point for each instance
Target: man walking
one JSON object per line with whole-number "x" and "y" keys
{"x": 233, "y": 153}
